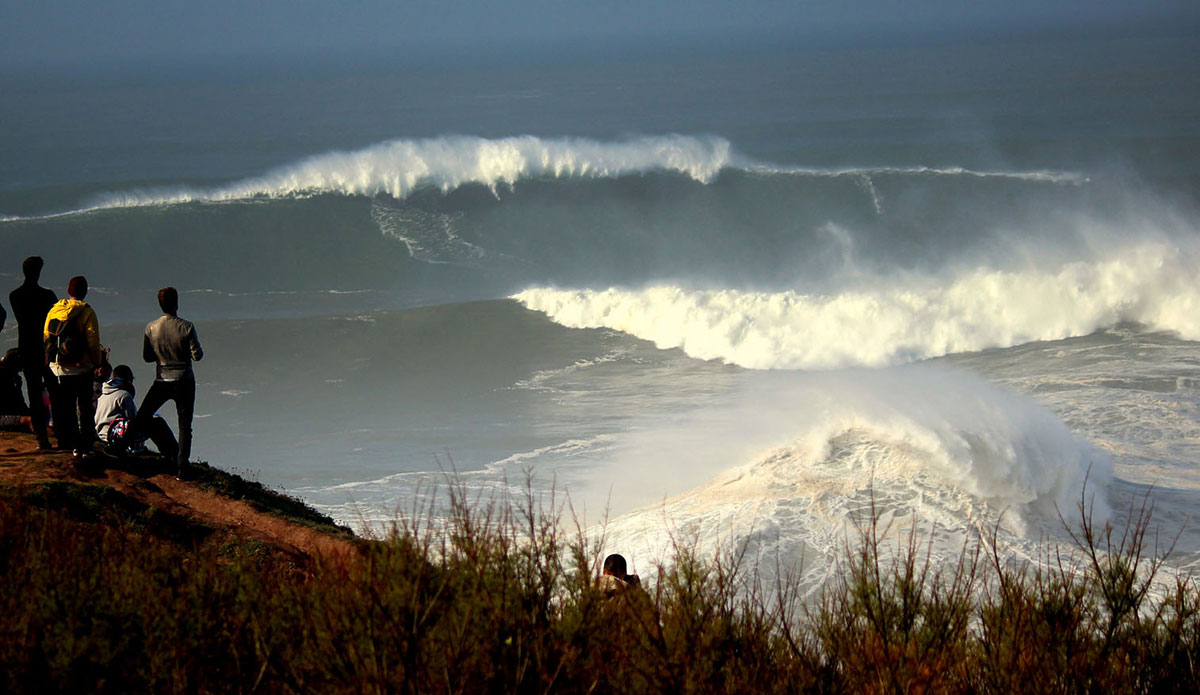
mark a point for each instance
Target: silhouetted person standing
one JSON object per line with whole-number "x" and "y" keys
{"x": 30, "y": 303}
{"x": 72, "y": 337}
{"x": 171, "y": 343}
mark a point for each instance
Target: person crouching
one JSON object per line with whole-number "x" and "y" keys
{"x": 116, "y": 409}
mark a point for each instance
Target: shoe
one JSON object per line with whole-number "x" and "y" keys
{"x": 44, "y": 444}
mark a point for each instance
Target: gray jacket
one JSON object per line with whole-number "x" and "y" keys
{"x": 171, "y": 343}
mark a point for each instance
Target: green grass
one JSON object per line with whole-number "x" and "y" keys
{"x": 262, "y": 498}
{"x": 502, "y": 601}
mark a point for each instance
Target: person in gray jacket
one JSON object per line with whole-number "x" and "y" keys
{"x": 171, "y": 343}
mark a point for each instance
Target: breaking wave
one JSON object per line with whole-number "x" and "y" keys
{"x": 908, "y": 320}
{"x": 399, "y": 167}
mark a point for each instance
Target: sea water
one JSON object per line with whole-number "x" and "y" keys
{"x": 731, "y": 298}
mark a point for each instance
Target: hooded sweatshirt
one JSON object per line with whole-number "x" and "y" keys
{"x": 116, "y": 400}
{"x": 80, "y": 311}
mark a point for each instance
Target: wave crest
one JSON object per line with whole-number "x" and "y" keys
{"x": 399, "y": 167}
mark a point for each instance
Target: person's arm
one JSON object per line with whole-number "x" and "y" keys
{"x": 194, "y": 345}
{"x": 147, "y": 348}
{"x": 128, "y": 407}
{"x": 46, "y": 323}
{"x": 91, "y": 329}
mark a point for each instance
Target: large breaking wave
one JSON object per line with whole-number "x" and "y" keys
{"x": 399, "y": 167}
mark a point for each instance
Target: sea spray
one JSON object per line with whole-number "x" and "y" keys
{"x": 921, "y": 444}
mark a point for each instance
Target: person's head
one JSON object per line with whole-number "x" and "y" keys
{"x": 168, "y": 300}
{"x": 32, "y": 267}
{"x": 11, "y": 360}
{"x": 615, "y": 565}
{"x": 77, "y": 287}
{"x": 123, "y": 372}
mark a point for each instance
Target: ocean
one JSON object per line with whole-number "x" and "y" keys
{"x": 727, "y": 297}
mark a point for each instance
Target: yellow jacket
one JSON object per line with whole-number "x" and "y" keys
{"x": 87, "y": 321}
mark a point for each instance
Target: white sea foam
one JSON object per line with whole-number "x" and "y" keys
{"x": 562, "y": 450}
{"x": 907, "y": 320}
{"x": 1041, "y": 175}
{"x": 539, "y": 379}
{"x": 925, "y": 444}
{"x": 398, "y": 167}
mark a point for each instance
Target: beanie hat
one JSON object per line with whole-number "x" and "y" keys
{"x": 78, "y": 287}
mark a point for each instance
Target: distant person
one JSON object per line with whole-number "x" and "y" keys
{"x": 14, "y": 414}
{"x": 171, "y": 344}
{"x": 30, "y": 303}
{"x": 616, "y": 579}
{"x": 116, "y": 410}
{"x": 72, "y": 339}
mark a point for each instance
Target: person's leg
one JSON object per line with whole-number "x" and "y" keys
{"x": 160, "y": 433}
{"x": 77, "y": 394}
{"x": 39, "y": 417}
{"x": 185, "y": 406}
{"x": 66, "y": 429}
{"x": 87, "y": 411}
{"x": 159, "y": 393}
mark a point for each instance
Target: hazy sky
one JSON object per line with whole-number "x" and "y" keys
{"x": 37, "y": 34}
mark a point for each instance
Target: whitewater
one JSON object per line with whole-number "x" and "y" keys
{"x": 909, "y": 319}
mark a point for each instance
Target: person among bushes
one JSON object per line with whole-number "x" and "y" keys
{"x": 615, "y": 578}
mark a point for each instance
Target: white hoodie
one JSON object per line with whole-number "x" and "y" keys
{"x": 116, "y": 400}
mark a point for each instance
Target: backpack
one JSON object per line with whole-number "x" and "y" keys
{"x": 65, "y": 342}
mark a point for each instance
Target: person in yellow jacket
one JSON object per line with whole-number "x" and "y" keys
{"x": 72, "y": 336}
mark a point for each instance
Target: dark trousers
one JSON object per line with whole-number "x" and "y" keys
{"x": 160, "y": 433}
{"x": 74, "y": 412}
{"x": 183, "y": 392}
{"x": 157, "y": 430}
{"x": 37, "y": 376}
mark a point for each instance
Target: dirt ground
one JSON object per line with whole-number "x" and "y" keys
{"x": 22, "y": 464}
